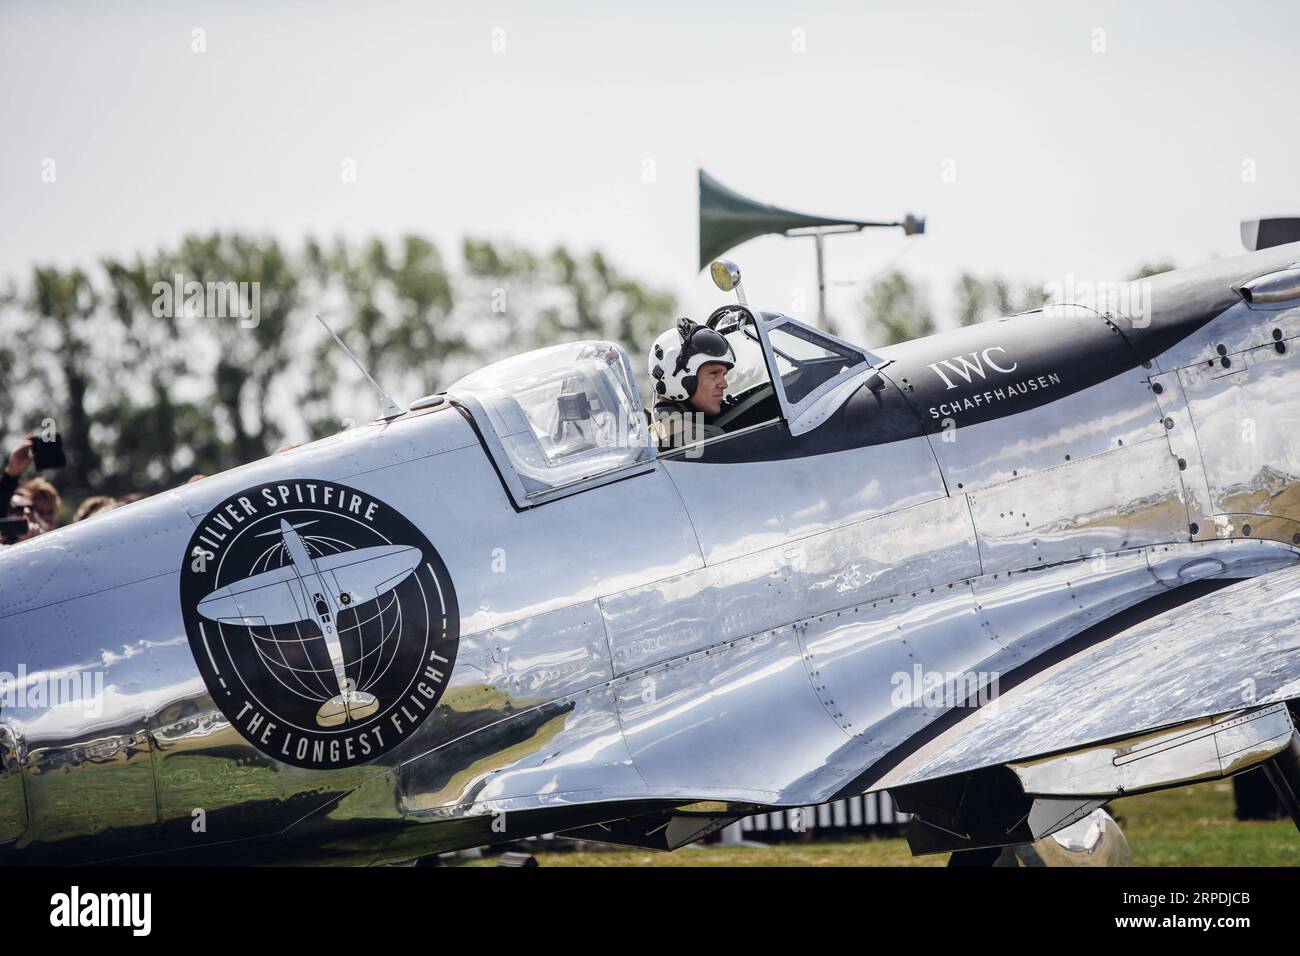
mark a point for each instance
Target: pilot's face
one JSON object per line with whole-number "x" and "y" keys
{"x": 710, "y": 388}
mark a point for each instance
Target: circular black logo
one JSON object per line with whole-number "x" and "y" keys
{"x": 323, "y": 622}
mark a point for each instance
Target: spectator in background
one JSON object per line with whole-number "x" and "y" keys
{"x": 34, "y": 501}
{"x": 40, "y": 501}
{"x": 95, "y": 504}
{"x": 20, "y": 459}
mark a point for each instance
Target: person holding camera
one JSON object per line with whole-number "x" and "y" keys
{"x": 33, "y": 506}
{"x": 19, "y": 461}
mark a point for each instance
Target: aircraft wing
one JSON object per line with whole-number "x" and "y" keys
{"x": 366, "y": 573}
{"x": 275, "y": 597}
{"x": 265, "y": 599}
{"x": 1194, "y": 693}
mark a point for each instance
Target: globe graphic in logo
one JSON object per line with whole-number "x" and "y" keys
{"x": 324, "y": 622}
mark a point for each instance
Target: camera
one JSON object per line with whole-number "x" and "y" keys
{"x": 48, "y": 453}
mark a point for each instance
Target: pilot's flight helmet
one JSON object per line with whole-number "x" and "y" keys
{"x": 678, "y": 354}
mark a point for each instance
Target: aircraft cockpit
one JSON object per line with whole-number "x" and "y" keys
{"x": 799, "y": 365}
{"x": 559, "y": 420}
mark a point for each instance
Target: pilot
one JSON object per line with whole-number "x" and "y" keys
{"x": 689, "y": 365}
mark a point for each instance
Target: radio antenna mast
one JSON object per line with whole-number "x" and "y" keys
{"x": 389, "y": 408}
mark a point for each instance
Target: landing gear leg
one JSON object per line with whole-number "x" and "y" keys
{"x": 1283, "y": 772}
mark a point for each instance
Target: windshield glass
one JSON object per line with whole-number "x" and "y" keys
{"x": 750, "y": 368}
{"x": 806, "y": 360}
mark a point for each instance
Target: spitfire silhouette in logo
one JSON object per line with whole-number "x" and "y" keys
{"x": 324, "y": 623}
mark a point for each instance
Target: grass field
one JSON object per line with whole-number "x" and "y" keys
{"x": 1191, "y": 826}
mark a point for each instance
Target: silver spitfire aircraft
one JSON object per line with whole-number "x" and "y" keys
{"x": 1006, "y": 572}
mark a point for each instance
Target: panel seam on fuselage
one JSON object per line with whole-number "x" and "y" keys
{"x": 975, "y": 533}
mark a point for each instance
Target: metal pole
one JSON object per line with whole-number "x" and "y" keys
{"x": 821, "y": 281}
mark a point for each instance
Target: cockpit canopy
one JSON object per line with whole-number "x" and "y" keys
{"x": 562, "y": 415}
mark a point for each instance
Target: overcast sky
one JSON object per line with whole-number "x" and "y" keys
{"x": 1082, "y": 140}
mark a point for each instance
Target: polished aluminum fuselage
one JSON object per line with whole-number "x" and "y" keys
{"x": 749, "y": 632}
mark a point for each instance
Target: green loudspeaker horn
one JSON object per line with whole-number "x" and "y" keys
{"x": 727, "y": 219}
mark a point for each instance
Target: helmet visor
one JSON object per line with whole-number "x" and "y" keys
{"x": 707, "y": 342}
